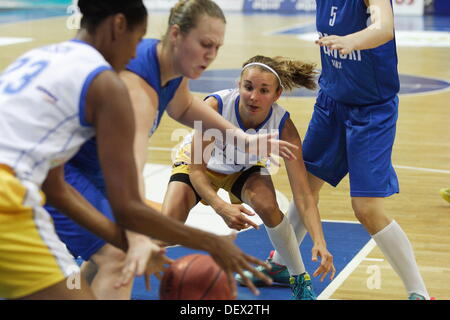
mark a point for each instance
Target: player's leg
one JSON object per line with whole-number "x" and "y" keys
{"x": 109, "y": 262}
{"x": 88, "y": 271}
{"x": 370, "y": 138}
{"x": 180, "y": 196}
{"x": 393, "y": 242}
{"x": 259, "y": 193}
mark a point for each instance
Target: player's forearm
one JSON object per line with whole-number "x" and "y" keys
{"x": 380, "y": 30}
{"x": 311, "y": 218}
{"x": 203, "y": 187}
{"x": 370, "y": 38}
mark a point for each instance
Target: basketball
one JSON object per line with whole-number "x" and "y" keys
{"x": 194, "y": 277}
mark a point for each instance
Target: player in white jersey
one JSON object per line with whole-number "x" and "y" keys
{"x": 52, "y": 100}
{"x": 253, "y": 108}
{"x": 46, "y": 114}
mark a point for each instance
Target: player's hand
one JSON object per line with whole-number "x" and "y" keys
{"x": 264, "y": 145}
{"x": 344, "y": 44}
{"x": 231, "y": 259}
{"x": 326, "y": 261}
{"x": 144, "y": 257}
{"x": 233, "y": 215}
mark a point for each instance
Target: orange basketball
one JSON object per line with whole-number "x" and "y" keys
{"x": 194, "y": 277}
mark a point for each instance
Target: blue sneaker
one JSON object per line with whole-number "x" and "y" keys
{"x": 278, "y": 274}
{"x": 302, "y": 287}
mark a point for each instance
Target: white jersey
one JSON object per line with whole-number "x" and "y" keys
{"x": 229, "y": 158}
{"x": 42, "y": 107}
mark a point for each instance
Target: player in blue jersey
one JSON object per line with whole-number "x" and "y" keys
{"x": 352, "y": 129}
{"x": 157, "y": 80}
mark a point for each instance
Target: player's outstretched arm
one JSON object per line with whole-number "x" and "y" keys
{"x": 306, "y": 204}
{"x": 187, "y": 109}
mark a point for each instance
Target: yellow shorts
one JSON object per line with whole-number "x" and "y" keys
{"x": 232, "y": 183}
{"x": 32, "y": 257}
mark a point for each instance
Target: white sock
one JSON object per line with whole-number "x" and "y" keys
{"x": 396, "y": 247}
{"x": 283, "y": 240}
{"x": 300, "y": 233}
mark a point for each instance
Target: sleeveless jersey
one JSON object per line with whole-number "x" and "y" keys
{"x": 363, "y": 77}
{"x": 42, "y": 107}
{"x": 228, "y": 158}
{"x": 146, "y": 65}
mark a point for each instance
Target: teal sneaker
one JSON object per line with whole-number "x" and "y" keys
{"x": 278, "y": 274}
{"x": 302, "y": 287}
{"x": 416, "y": 296}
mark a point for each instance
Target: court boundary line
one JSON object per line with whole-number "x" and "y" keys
{"x": 347, "y": 271}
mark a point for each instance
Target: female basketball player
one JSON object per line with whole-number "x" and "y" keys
{"x": 253, "y": 107}
{"x": 54, "y": 99}
{"x": 157, "y": 80}
{"x": 352, "y": 129}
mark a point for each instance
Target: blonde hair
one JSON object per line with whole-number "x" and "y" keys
{"x": 186, "y": 13}
{"x": 292, "y": 73}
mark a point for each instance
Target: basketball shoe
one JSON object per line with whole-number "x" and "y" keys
{"x": 302, "y": 287}
{"x": 416, "y": 296}
{"x": 278, "y": 273}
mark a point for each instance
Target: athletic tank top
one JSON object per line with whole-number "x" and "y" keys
{"x": 363, "y": 77}
{"x": 229, "y": 158}
{"x": 42, "y": 107}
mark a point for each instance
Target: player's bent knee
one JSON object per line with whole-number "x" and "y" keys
{"x": 269, "y": 212}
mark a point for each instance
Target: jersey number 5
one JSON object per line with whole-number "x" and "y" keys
{"x": 333, "y": 16}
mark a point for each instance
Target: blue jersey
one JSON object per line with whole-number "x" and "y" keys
{"x": 363, "y": 77}
{"x": 146, "y": 65}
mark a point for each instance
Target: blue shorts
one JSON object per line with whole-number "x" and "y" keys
{"x": 79, "y": 241}
{"x": 345, "y": 139}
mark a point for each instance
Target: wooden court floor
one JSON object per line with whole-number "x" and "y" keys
{"x": 421, "y": 153}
